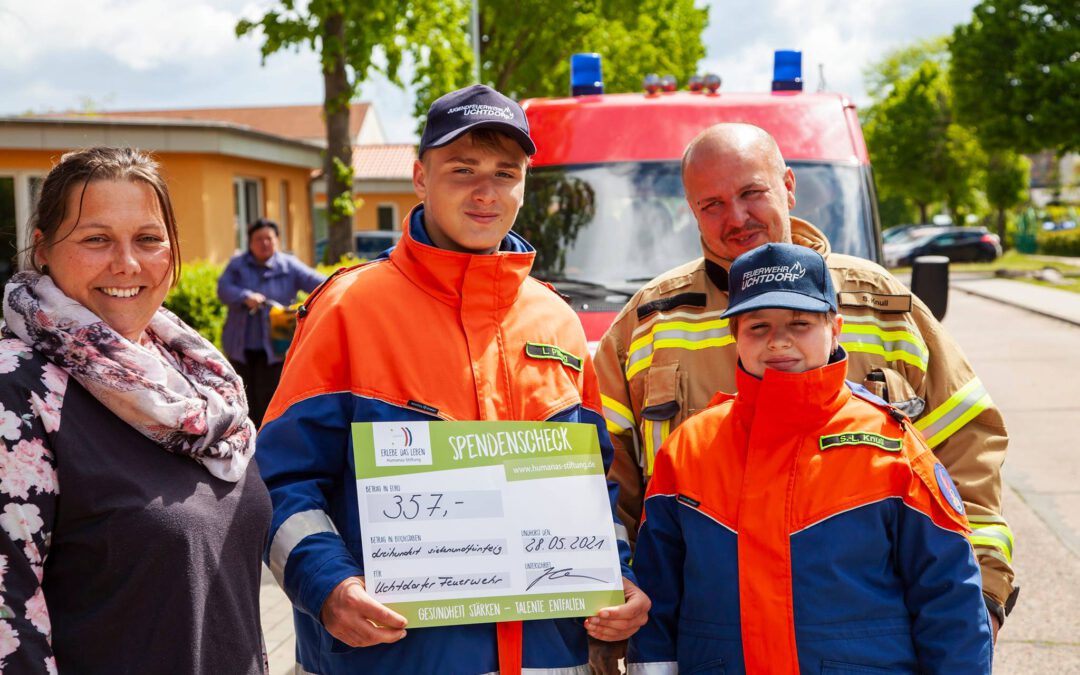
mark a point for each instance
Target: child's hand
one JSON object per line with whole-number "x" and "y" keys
{"x": 619, "y": 623}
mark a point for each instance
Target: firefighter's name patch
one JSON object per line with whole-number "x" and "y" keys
{"x": 861, "y": 438}
{"x": 536, "y": 350}
{"x": 879, "y": 301}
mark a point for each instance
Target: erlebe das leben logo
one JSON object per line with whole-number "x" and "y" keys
{"x": 773, "y": 274}
{"x": 485, "y": 110}
{"x": 402, "y": 443}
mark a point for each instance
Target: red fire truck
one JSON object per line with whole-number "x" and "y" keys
{"x": 604, "y": 200}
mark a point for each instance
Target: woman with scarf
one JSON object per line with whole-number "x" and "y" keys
{"x": 131, "y": 519}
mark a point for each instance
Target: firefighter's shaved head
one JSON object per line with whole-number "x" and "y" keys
{"x": 736, "y": 138}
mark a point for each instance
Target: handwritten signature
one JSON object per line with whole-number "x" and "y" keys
{"x": 552, "y": 573}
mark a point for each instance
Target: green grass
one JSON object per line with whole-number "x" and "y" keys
{"x": 1018, "y": 262}
{"x": 1011, "y": 260}
{"x": 1072, "y": 284}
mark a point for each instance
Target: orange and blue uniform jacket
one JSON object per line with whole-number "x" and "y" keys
{"x": 423, "y": 334}
{"x": 802, "y": 525}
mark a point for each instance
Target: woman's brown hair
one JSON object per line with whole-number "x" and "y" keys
{"x": 76, "y": 170}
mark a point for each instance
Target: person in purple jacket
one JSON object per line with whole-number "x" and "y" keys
{"x": 251, "y": 283}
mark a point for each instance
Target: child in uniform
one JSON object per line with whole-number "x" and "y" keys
{"x": 802, "y": 524}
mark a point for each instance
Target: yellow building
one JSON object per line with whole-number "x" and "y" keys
{"x": 383, "y": 179}
{"x": 383, "y": 185}
{"x": 221, "y": 176}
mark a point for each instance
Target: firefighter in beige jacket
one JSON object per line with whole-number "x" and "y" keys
{"x": 669, "y": 351}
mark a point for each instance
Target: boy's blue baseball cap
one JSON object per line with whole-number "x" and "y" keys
{"x": 780, "y": 276}
{"x": 474, "y": 107}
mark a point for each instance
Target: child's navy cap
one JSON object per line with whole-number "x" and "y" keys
{"x": 475, "y": 107}
{"x": 780, "y": 276}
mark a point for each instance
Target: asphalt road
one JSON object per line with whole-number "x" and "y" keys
{"x": 1030, "y": 364}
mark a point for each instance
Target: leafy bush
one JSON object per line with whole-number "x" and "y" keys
{"x": 326, "y": 269}
{"x": 1065, "y": 242}
{"x": 347, "y": 260}
{"x": 194, "y": 299}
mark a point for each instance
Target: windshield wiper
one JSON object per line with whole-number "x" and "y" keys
{"x": 582, "y": 283}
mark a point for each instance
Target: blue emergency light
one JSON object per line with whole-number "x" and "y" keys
{"x": 585, "y": 77}
{"x": 787, "y": 70}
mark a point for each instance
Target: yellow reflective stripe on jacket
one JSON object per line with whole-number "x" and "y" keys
{"x": 892, "y": 340}
{"x": 655, "y": 433}
{"x": 675, "y": 335}
{"x": 954, "y": 413}
{"x": 643, "y": 329}
{"x": 991, "y": 536}
{"x": 619, "y": 418}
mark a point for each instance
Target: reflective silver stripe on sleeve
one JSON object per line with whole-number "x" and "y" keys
{"x": 981, "y": 551}
{"x": 693, "y": 336}
{"x": 295, "y": 529}
{"x": 621, "y": 533}
{"x": 663, "y": 317}
{"x": 678, "y": 336}
{"x": 643, "y": 352}
{"x": 947, "y": 418}
{"x": 658, "y": 668}
{"x": 889, "y": 345}
{"x": 617, "y": 418}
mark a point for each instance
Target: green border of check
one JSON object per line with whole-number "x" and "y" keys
{"x": 580, "y": 458}
{"x": 594, "y": 602}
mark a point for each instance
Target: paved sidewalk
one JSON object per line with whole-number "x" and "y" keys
{"x": 277, "y": 625}
{"x": 1051, "y": 302}
{"x": 1031, "y": 644}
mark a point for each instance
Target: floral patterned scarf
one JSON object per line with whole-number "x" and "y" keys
{"x": 174, "y": 387}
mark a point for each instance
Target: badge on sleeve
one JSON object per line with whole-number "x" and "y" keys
{"x": 536, "y": 350}
{"x": 948, "y": 488}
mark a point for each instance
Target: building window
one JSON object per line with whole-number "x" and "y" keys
{"x": 247, "y": 207}
{"x": 283, "y": 214}
{"x": 18, "y": 196}
{"x": 9, "y": 242}
{"x": 320, "y": 231}
{"x": 387, "y": 216}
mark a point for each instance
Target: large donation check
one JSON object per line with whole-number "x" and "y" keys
{"x": 475, "y": 522}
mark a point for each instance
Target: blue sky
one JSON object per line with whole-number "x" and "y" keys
{"x": 139, "y": 54}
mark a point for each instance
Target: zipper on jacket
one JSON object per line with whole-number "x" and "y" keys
{"x": 303, "y": 310}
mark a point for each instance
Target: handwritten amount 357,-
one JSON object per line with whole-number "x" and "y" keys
{"x": 425, "y": 506}
{"x": 406, "y": 505}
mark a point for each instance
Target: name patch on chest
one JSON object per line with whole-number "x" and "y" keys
{"x": 878, "y": 301}
{"x": 536, "y": 350}
{"x": 861, "y": 438}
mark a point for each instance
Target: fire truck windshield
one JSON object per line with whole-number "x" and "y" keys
{"x": 620, "y": 224}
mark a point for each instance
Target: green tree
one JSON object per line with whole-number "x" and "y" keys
{"x": 919, "y": 153}
{"x": 894, "y": 210}
{"x": 1007, "y": 177}
{"x": 525, "y": 50}
{"x": 901, "y": 63}
{"x": 1016, "y": 74}
{"x": 347, "y": 35}
{"x": 525, "y": 45}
